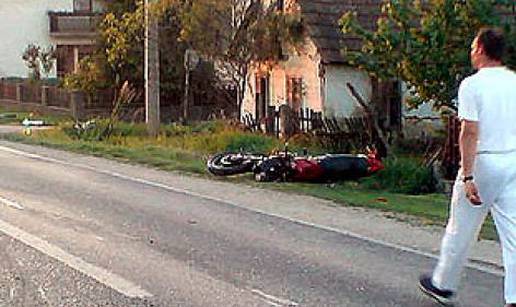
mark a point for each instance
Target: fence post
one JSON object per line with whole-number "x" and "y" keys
{"x": 269, "y": 125}
{"x": 45, "y": 92}
{"x": 77, "y": 104}
{"x": 19, "y": 92}
{"x": 285, "y": 118}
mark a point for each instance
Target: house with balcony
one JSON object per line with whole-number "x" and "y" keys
{"x": 67, "y": 25}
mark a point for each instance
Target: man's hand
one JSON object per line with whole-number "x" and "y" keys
{"x": 472, "y": 193}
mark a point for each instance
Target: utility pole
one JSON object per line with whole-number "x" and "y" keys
{"x": 151, "y": 63}
{"x": 191, "y": 62}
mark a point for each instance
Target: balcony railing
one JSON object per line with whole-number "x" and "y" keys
{"x": 73, "y": 24}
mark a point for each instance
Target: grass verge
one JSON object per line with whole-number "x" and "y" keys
{"x": 8, "y": 117}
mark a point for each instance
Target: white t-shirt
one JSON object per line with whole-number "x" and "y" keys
{"x": 489, "y": 97}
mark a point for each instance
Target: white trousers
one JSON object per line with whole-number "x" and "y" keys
{"x": 495, "y": 175}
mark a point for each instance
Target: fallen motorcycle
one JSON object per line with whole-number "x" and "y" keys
{"x": 287, "y": 166}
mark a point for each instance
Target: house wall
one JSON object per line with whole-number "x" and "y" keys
{"x": 324, "y": 86}
{"x": 338, "y": 101}
{"x": 27, "y": 22}
{"x": 304, "y": 65}
{"x": 22, "y": 23}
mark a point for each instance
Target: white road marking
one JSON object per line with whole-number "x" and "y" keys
{"x": 471, "y": 265}
{"x": 103, "y": 276}
{"x": 10, "y": 203}
{"x": 271, "y": 299}
{"x": 272, "y": 303}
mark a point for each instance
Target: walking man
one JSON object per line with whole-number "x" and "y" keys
{"x": 487, "y": 178}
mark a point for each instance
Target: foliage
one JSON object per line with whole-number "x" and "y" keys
{"x": 122, "y": 37}
{"x": 120, "y": 7}
{"x": 89, "y": 77}
{"x": 47, "y": 60}
{"x": 100, "y": 130}
{"x": 31, "y": 58}
{"x": 126, "y": 96}
{"x": 426, "y": 44}
{"x": 403, "y": 175}
{"x": 86, "y": 131}
{"x": 235, "y": 34}
{"x": 200, "y": 25}
{"x": 39, "y": 60}
{"x": 119, "y": 56}
{"x": 250, "y": 142}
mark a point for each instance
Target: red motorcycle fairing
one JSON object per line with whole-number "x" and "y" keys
{"x": 306, "y": 170}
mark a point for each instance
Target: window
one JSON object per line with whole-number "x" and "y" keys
{"x": 262, "y": 95}
{"x": 82, "y": 6}
{"x": 281, "y": 5}
{"x": 65, "y": 60}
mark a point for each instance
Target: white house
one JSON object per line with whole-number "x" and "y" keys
{"x": 68, "y": 25}
{"x": 315, "y": 76}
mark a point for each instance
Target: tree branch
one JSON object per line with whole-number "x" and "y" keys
{"x": 371, "y": 114}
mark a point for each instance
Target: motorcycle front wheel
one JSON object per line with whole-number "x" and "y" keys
{"x": 227, "y": 164}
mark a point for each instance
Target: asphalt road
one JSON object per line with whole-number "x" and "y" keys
{"x": 71, "y": 236}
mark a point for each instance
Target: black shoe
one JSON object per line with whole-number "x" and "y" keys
{"x": 444, "y": 297}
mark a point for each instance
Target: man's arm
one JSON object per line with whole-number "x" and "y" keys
{"x": 468, "y": 145}
{"x": 468, "y": 149}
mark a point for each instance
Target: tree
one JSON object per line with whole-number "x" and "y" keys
{"x": 47, "y": 60}
{"x": 121, "y": 35}
{"x": 235, "y": 34}
{"x": 424, "y": 43}
{"x": 119, "y": 56}
{"x": 231, "y": 41}
{"x": 90, "y": 76}
{"x": 38, "y": 60}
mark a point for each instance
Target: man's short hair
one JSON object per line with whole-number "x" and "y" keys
{"x": 492, "y": 41}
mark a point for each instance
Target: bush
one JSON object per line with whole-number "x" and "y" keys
{"x": 421, "y": 145}
{"x": 301, "y": 141}
{"x": 403, "y": 175}
{"x": 123, "y": 129}
{"x": 84, "y": 131}
{"x": 251, "y": 142}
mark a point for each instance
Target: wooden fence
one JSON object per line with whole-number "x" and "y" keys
{"x": 285, "y": 121}
{"x": 451, "y": 153}
{"x": 52, "y": 99}
{"x": 24, "y": 96}
{"x": 58, "y": 97}
{"x": 338, "y": 134}
{"x": 8, "y": 90}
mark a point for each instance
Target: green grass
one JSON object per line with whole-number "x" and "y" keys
{"x": 162, "y": 158}
{"x": 8, "y": 117}
{"x": 185, "y": 149}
